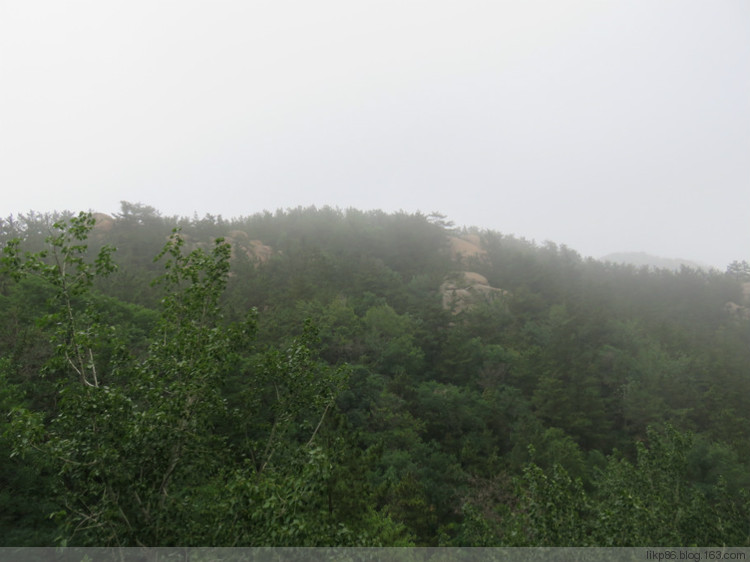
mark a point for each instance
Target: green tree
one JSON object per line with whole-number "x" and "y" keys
{"x": 63, "y": 265}
{"x": 653, "y": 501}
{"x": 142, "y": 462}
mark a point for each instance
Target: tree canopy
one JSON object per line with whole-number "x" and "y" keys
{"x": 325, "y": 377}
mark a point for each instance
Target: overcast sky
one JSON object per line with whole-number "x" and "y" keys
{"x": 606, "y": 126}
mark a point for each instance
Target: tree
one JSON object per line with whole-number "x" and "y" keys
{"x": 63, "y": 265}
{"x": 740, "y": 270}
{"x": 652, "y": 501}
{"x": 119, "y": 451}
{"x": 142, "y": 462}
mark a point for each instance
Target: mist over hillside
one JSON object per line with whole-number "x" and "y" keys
{"x": 386, "y": 378}
{"x": 523, "y": 120}
{"x": 641, "y": 259}
{"x": 283, "y": 348}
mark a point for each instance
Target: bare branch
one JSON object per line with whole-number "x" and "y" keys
{"x": 319, "y": 424}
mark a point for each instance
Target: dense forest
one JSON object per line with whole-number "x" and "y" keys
{"x": 326, "y": 377}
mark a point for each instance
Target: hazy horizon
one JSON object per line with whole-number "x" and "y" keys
{"x": 607, "y": 127}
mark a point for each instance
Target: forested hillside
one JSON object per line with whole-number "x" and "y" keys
{"x": 327, "y": 377}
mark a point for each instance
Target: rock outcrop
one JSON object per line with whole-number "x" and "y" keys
{"x": 741, "y": 311}
{"x": 737, "y": 310}
{"x": 253, "y": 249}
{"x": 466, "y": 246}
{"x": 104, "y": 222}
{"x": 465, "y": 289}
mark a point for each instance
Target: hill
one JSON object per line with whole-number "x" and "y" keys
{"x": 640, "y": 259}
{"x": 340, "y": 377}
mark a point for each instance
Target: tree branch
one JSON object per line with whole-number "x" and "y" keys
{"x": 319, "y": 424}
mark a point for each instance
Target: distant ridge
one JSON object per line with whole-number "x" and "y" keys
{"x": 641, "y": 259}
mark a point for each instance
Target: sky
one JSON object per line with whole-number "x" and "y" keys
{"x": 606, "y": 126}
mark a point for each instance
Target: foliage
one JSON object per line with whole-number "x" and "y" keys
{"x": 292, "y": 378}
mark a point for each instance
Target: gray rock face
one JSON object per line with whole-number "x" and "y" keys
{"x": 465, "y": 289}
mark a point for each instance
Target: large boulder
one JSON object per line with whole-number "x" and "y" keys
{"x": 465, "y": 289}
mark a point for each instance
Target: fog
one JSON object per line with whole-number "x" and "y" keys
{"x": 606, "y": 126}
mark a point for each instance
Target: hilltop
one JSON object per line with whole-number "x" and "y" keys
{"x": 640, "y": 259}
